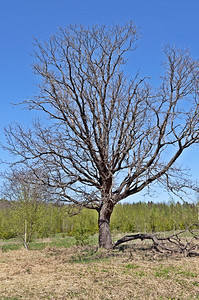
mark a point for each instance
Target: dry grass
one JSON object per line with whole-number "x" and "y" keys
{"x": 83, "y": 273}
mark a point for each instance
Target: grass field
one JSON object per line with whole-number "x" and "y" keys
{"x": 85, "y": 272}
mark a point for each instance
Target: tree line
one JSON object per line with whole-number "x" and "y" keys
{"x": 43, "y": 220}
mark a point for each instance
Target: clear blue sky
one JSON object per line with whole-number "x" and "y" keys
{"x": 160, "y": 22}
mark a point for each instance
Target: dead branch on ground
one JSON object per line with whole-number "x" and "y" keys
{"x": 185, "y": 242}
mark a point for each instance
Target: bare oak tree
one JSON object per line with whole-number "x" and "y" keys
{"x": 107, "y": 136}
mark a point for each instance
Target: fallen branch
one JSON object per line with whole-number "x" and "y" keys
{"x": 175, "y": 243}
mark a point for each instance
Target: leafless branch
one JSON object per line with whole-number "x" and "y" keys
{"x": 176, "y": 243}
{"x": 107, "y": 136}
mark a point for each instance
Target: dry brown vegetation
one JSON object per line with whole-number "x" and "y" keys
{"x": 88, "y": 273}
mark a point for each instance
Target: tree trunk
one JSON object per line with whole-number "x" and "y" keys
{"x": 105, "y": 212}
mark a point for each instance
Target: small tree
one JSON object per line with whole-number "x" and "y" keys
{"x": 26, "y": 202}
{"x": 108, "y": 136}
{"x": 24, "y": 216}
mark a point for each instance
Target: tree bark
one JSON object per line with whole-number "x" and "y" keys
{"x": 105, "y": 211}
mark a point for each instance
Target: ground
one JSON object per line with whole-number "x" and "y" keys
{"x": 83, "y": 272}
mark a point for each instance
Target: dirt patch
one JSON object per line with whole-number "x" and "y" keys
{"x": 88, "y": 273}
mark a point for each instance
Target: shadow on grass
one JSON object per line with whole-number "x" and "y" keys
{"x": 88, "y": 254}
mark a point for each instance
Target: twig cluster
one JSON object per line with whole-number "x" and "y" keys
{"x": 185, "y": 242}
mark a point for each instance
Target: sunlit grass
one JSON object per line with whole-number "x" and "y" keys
{"x": 87, "y": 272}
{"x": 57, "y": 240}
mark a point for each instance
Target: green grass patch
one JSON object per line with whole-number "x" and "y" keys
{"x": 186, "y": 273}
{"x": 57, "y": 241}
{"x": 64, "y": 242}
{"x": 140, "y": 274}
{"x": 163, "y": 272}
{"x": 37, "y": 246}
{"x": 131, "y": 266}
{"x": 10, "y": 247}
{"x": 167, "y": 272}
